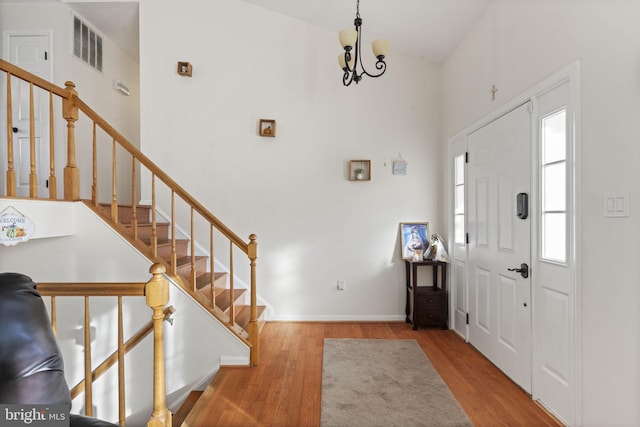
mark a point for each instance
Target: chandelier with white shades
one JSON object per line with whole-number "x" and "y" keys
{"x": 351, "y": 60}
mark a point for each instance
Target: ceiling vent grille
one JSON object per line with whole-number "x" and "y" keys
{"x": 87, "y": 44}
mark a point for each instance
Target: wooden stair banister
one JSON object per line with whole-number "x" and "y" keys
{"x": 156, "y": 293}
{"x": 74, "y": 110}
{"x": 71, "y": 172}
{"x": 65, "y": 94}
{"x": 253, "y": 320}
{"x": 157, "y": 296}
{"x": 116, "y": 355}
{"x": 163, "y": 176}
{"x": 177, "y": 190}
{"x": 71, "y": 104}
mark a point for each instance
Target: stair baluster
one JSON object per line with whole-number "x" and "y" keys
{"x": 33, "y": 176}
{"x": 11, "y": 173}
{"x": 53, "y": 186}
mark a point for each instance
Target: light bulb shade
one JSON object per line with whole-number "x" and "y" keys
{"x": 343, "y": 63}
{"x": 348, "y": 37}
{"x": 380, "y": 47}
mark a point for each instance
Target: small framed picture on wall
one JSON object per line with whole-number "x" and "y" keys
{"x": 399, "y": 167}
{"x": 267, "y": 127}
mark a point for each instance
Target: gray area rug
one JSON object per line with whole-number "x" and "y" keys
{"x": 375, "y": 382}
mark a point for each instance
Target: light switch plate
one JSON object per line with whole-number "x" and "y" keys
{"x": 616, "y": 205}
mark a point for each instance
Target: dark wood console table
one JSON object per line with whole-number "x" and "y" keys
{"x": 427, "y": 305}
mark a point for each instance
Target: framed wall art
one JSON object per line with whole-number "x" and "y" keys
{"x": 267, "y": 127}
{"x": 414, "y": 238}
{"x": 185, "y": 68}
{"x": 359, "y": 170}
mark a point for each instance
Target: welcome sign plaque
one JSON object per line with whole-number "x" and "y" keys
{"x": 14, "y": 227}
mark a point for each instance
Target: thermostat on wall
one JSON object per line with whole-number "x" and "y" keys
{"x": 119, "y": 86}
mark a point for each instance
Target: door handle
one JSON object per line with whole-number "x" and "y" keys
{"x": 15, "y": 130}
{"x": 523, "y": 270}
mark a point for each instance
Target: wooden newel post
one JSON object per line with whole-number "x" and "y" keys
{"x": 157, "y": 295}
{"x": 71, "y": 173}
{"x": 253, "y": 319}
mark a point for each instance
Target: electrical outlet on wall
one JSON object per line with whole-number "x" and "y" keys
{"x": 340, "y": 285}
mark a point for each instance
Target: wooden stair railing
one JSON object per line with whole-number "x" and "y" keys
{"x": 202, "y": 223}
{"x": 115, "y": 357}
{"x": 156, "y": 292}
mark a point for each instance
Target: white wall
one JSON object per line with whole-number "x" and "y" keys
{"x": 517, "y": 44}
{"x": 313, "y": 225}
{"x": 94, "y": 87}
{"x": 77, "y": 257}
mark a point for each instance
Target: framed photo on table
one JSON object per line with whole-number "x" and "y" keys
{"x": 414, "y": 238}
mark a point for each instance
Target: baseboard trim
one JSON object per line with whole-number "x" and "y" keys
{"x": 340, "y": 318}
{"x": 234, "y": 361}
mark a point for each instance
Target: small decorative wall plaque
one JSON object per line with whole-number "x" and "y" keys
{"x": 360, "y": 170}
{"x": 14, "y": 227}
{"x": 267, "y": 127}
{"x": 185, "y": 69}
{"x": 399, "y": 167}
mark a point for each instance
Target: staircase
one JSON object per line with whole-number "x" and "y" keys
{"x": 225, "y": 299}
{"x": 175, "y": 244}
{"x": 114, "y": 196}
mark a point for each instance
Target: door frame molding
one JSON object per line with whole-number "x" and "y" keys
{"x": 458, "y": 144}
{"x": 6, "y": 34}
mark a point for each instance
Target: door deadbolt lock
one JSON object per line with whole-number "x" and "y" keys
{"x": 522, "y": 205}
{"x": 523, "y": 270}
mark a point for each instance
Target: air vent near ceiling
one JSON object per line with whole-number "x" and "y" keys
{"x": 87, "y": 44}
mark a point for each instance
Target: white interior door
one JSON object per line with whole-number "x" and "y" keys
{"x": 30, "y": 52}
{"x": 500, "y": 300}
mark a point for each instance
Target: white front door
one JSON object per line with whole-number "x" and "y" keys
{"x": 500, "y": 240}
{"x": 30, "y": 52}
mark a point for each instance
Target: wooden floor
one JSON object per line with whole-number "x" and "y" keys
{"x": 285, "y": 389}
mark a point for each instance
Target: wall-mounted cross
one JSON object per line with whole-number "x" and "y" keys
{"x": 494, "y": 89}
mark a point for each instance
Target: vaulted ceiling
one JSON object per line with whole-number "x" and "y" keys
{"x": 429, "y": 29}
